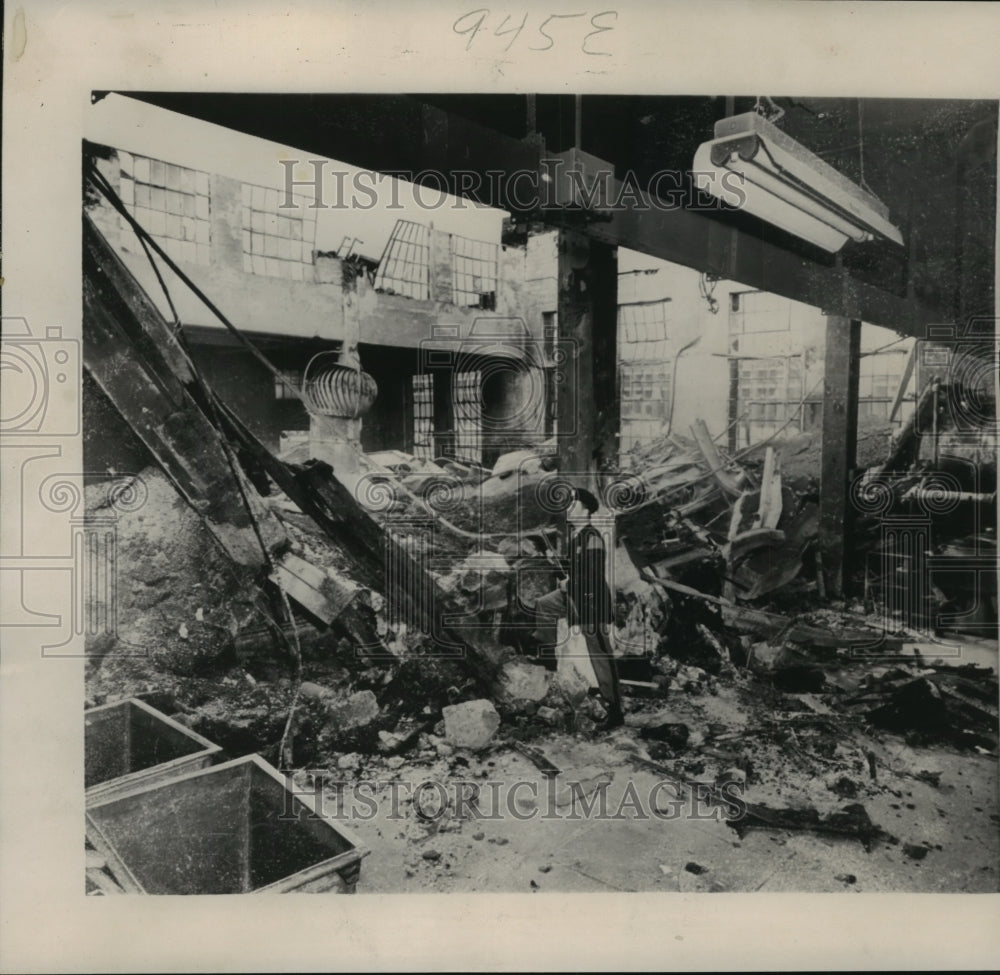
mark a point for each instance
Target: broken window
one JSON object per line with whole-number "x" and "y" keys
{"x": 172, "y": 203}
{"x": 404, "y": 268}
{"x": 642, "y": 331}
{"x": 474, "y": 272}
{"x": 277, "y": 242}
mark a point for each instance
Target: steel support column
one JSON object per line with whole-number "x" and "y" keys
{"x": 587, "y": 355}
{"x": 840, "y": 438}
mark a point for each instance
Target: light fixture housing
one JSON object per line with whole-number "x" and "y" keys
{"x": 754, "y": 165}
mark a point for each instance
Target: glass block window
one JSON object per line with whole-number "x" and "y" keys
{"x": 404, "y": 268}
{"x": 769, "y": 395}
{"x": 277, "y": 242}
{"x": 171, "y": 202}
{"x": 642, "y": 331}
{"x": 645, "y": 401}
{"x": 474, "y": 272}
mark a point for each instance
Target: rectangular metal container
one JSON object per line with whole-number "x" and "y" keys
{"x": 235, "y": 828}
{"x": 128, "y": 744}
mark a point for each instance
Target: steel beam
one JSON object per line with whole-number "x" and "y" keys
{"x": 587, "y": 355}
{"x": 840, "y": 439}
{"x": 401, "y": 135}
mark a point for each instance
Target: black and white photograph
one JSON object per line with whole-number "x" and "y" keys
{"x": 554, "y": 486}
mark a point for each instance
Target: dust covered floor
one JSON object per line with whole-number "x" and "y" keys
{"x": 608, "y": 822}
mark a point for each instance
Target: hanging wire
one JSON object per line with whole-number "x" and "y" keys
{"x": 861, "y": 147}
{"x": 706, "y": 288}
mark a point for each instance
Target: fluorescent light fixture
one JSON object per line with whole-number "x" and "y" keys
{"x": 755, "y": 165}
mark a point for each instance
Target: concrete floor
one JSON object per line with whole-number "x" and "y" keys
{"x": 959, "y": 820}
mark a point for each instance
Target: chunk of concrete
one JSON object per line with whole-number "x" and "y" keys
{"x": 471, "y": 724}
{"x": 523, "y": 681}
{"x": 355, "y": 711}
{"x": 570, "y": 683}
{"x": 311, "y": 691}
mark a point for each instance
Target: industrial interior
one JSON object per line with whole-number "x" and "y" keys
{"x": 539, "y": 493}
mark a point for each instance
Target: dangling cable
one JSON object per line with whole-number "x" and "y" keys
{"x": 708, "y": 292}
{"x": 861, "y": 148}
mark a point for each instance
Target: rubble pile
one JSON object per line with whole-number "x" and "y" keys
{"x": 706, "y": 522}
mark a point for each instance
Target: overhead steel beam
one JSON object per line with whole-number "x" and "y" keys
{"x": 400, "y": 135}
{"x": 695, "y": 240}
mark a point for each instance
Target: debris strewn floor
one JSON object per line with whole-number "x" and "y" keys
{"x": 791, "y": 724}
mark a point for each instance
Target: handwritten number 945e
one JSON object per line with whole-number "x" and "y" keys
{"x": 546, "y": 32}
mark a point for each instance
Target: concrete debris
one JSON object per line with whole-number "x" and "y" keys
{"x": 523, "y": 681}
{"x": 915, "y": 851}
{"x": 356, "y": 711}
{"x": 471, "y": 724}
{"x": 312, "y": 691}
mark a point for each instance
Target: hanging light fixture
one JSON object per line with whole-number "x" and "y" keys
{"x": 753, "y": 163}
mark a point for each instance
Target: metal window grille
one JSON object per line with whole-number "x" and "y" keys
{"x": 468, "y": 408}
{"x": 474, "y": 272}
{"x": 277, "y": 242}
{"x": 754, "y": 312}
{"x": 172, "y": 203}
{"x": 642, "y": 332}
{"x": 423, "y": 416}
{"x": 404, "y": 268}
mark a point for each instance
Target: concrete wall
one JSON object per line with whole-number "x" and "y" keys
{"x": 252, "y": 302}
{"x": 313, "y": 308}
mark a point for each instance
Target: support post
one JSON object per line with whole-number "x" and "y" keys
{"x": 587, "y": 356}
{"x": 840, "y": 438}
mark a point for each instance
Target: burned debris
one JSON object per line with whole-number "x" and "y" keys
{"x": 324, "y": 616}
